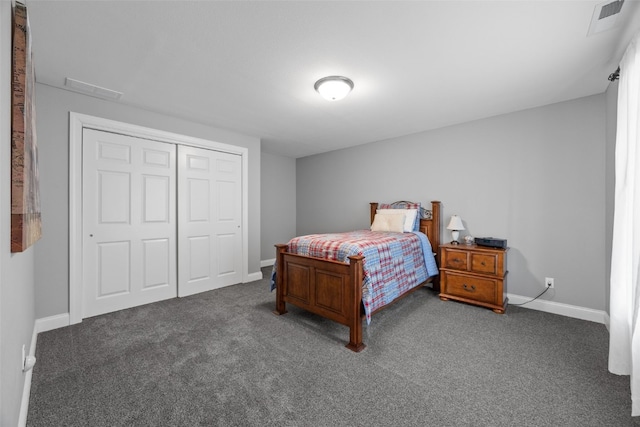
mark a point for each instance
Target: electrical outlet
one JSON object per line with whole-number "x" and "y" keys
{"x": 548, "y": 282}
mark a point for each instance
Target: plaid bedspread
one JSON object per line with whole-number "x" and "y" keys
{"x": 394, "y": 263}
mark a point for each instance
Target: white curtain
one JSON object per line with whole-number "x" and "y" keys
{"x": 624, "y": 343}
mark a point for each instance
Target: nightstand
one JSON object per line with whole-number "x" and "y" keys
{"x": 475, "y": 275}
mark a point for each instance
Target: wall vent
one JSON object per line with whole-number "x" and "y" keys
{"x": 605, "y": 17}
{"x": 611, "y": 9}
{"x": 92, "y": 90}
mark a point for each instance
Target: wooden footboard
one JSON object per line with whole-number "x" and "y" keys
{"x": 333, "y": 289}
{"x": 330, "y": 289}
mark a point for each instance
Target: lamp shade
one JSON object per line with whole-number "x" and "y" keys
{"x": 455, "y": 223}
{"x": 333, "y": 88}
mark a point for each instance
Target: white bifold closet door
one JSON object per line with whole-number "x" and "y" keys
{"x": 209, "y": 220}
{"x": 159, "y": 220}
{"x": 129, "y": 222}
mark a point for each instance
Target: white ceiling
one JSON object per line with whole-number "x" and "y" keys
{"x": 250, "y": 66}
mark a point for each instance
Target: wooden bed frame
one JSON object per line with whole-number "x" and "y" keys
{"x": 333, "y": 289}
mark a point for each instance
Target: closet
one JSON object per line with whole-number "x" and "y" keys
{"x": 159, "y": 220}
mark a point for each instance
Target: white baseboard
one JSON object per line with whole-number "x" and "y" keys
{"x": 40, "y": 325}
{"x": 26, "y": 389}
{"x": 267, "y": 262}
{"x": 252, "y": 277}
{"x": 52, "y": 322}
{"x": 583, "y": 313}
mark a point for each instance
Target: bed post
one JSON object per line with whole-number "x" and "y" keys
{"x": 374, "y": 208}
{"x": 355, "y": 300}
{"x": 435, "y": 240}
{"x": 280, "y": 305}
{"x": 435, "y": 217}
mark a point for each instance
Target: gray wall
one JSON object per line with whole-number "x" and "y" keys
{"x": 17, "y": 315}
{"x": 612, "y": 116}
{"x": 53, "y": 106}
{"x": 535, "y": 177}
{"x": 278, "y": 200}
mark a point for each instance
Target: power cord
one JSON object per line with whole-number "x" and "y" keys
{"x": 527, "y": 302}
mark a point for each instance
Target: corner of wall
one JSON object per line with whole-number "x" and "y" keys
{"x": 17, "y": 307}
{"x": 611, "y": 106}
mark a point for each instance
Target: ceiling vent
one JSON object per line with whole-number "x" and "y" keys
{"x": 606, "y": 16}
{"x": 92, "y": 90}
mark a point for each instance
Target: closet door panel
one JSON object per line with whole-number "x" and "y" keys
{"x": 228, "y": 217}
{"x": 209, "y": 212}
{"x": 157, "y": 274}
{"x": 157, "y": 199}
{"x": 114, "y": 197}
{"x": 128, "y": 223}
{"x": 114, "y": 269}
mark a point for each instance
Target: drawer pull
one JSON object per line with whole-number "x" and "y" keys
{"x": 471, "y": 288}
{"x": 456, "y": 260}
{"x": 482, "y": 263}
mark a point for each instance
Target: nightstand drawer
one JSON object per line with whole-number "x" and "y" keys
{"x": 484, "y": 263}
{"x": 456, "y": 260}
{"x": 474, "y": 275}
{"x": 475, "y": 288}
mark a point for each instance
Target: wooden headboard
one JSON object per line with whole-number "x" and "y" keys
{"x": 430, "y": 225}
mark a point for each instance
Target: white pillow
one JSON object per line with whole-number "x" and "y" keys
{"x": 388, "y": 222}
{"x": 409, "y": 220}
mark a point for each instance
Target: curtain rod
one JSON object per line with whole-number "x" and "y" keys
{"x": 615, "y": 75}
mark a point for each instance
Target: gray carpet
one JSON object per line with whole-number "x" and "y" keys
{"x": 222, "y": 358}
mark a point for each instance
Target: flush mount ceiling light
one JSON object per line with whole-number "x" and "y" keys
{"x": 333, "y": 88}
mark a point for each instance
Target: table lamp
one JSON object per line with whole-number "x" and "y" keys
{"x": 455, "y": 225}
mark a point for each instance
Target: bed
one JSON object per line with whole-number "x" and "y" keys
{"x": 334, "y": 289}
